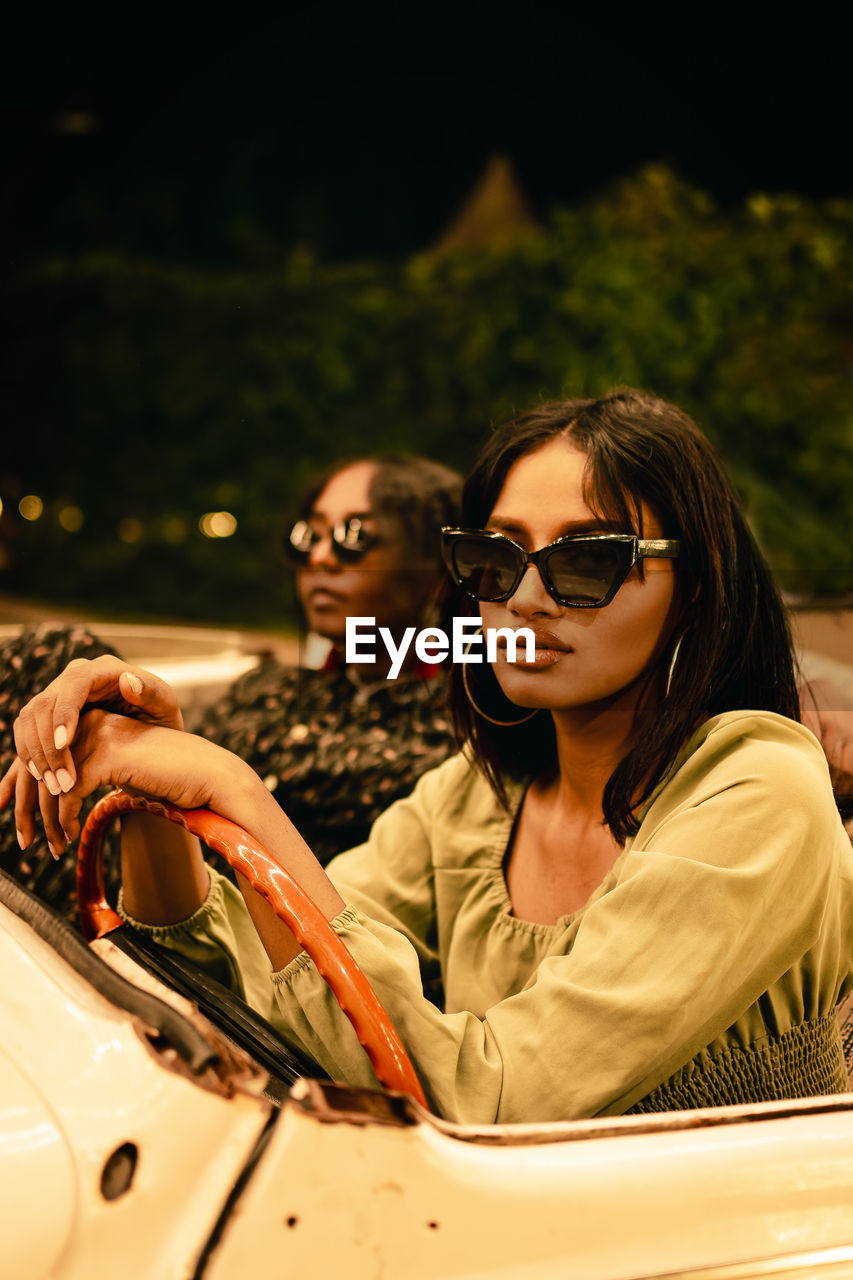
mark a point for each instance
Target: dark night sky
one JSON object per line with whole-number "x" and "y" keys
{"x": 359, "y": 129}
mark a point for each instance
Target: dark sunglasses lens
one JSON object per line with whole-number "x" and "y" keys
{"x": 348, "y": 554}
{"x": 486, "y": 568}
{"x": 299, "y": 541}
{"x": 584, "y": 572}
{"x": 351, "y": 541}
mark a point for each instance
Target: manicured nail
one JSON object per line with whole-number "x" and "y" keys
{"x": 53, "y": 852}
{"x": 60, "y": 737}
{"x": 63, "y": 777}
{"x": 50, "y": 782}
{"x": 134, "y": 682}
{"x": 21, "y": 841}
{"x": 34, "y": 771}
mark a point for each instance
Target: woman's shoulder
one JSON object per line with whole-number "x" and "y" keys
{"x": 271, "y": 686}
{"x": 757, "y": 758}
{"x": 739, "y": 738}
{"x": 456, "y": 791}
{"x": 452, "y": 809}
{"x": 454, "y": 776}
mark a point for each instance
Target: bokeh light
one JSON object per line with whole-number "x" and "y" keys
{"x": 129, "y": 529}
{"x": 174, "y": 529}
{"x": 217, "y": 524}
{"x": 71, "y": 519}
{"x": 31, "y": 506}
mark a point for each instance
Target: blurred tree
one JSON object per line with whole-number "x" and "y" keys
{"x": 146, "y": 394}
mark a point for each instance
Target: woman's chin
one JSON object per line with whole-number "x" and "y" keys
{"x": 526, "y": 682}
{"x": 328, "y": 621}
{"x": 530, "y": 693}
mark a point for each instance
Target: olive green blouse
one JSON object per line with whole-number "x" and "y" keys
{"x": 704, "y": 969}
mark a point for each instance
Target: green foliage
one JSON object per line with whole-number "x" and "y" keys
{"x": 148, "y": 392}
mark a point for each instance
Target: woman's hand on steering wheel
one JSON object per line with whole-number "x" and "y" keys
{"x": 45, "y": 730}
{"x": 118, "y": 750}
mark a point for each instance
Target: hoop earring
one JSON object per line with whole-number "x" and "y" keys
{"x": 673, "y": 660}
{"x": 503, "y": 724}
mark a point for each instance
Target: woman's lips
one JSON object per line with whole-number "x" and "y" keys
{"x": 549, "y": 649}
{"x": 543, "y": 657}
{"x": 323, "y": 598}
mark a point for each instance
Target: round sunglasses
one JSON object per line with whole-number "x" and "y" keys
{"x": 349, "y": 540}
{"x": 584, "y": 571}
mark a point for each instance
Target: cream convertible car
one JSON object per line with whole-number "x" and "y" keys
{"x": 142, "y": 1137}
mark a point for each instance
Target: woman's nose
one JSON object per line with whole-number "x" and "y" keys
{"x": 531, "y": 596}
{"x": 321, "y": 555}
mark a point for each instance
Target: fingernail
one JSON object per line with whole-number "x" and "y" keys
{"x": 63, "y": 777}
{"x": 50, "y": 782}
{"x": 60, "y": 738}
{"x": 34, "y": 771}
{"x": 53, "y": 852}
{"x": 21, "y": 841}
{"x": 134, "y": 682}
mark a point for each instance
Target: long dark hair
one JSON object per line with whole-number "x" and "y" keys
{"x": 736, "y": 650}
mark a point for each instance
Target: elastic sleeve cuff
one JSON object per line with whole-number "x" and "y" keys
{"x": 191, "y": 925}
{"x": 348, "y": 917}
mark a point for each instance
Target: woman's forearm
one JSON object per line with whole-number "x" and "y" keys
{"x": 252, "y": 806}
{"x": 167, "y": 878}
{"x": 164, "y": 875}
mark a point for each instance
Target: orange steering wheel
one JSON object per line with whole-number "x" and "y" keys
{"x": 288, "y": 900}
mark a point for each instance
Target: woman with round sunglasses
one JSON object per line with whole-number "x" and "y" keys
{"x": 633, "y": 882}
{"x": 335, "y": 744}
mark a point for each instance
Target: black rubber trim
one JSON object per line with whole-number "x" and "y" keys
{"x": 188, "y": 1042}
{"x": 221, "y": 1006}
{"x": 234, "y": 1195}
